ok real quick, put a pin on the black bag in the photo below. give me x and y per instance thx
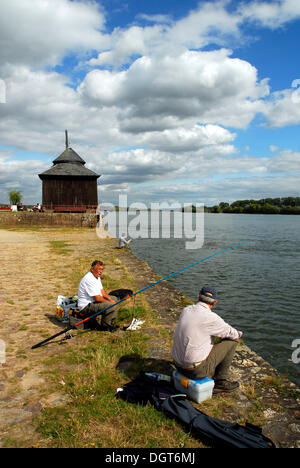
(163, 396)
(144, 389)
(220, 432)
(121, 293)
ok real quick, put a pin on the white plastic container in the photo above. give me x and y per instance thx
(197, 390)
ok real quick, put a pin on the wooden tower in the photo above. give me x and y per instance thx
(68, 185)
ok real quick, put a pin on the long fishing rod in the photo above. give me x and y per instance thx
(73, 327)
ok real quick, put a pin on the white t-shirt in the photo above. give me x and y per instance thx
(89, 287)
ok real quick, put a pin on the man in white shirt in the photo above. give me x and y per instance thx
(123, 241)
(194, 352)
(93, 298)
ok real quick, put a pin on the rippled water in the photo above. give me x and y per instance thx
(258, 284)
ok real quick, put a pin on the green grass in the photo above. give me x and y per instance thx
(89, 366)
(94, 415)
(60, 247)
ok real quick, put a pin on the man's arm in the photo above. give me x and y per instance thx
(218, 327)
(104, 298)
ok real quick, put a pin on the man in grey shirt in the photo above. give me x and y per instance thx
(194, 352)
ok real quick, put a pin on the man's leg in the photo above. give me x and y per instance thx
(105, 319)
(108, 317)
(216, 366)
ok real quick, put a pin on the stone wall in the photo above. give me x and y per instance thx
(10, 219)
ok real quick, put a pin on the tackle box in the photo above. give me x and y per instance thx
(197, 390)
(74, 318)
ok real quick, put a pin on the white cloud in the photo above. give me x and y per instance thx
(163, 19)
(207, 175)
(209, 23)
(209, 87)
(37, 103)
(21, 176)
(188, 139)
(271, 14)
(123, 44)
(285, 162)
(140, 166)
(213, 191)
(282, 109)
(42, 32)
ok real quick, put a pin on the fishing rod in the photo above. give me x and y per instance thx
(73, 327)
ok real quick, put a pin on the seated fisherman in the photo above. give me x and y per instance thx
(194, 352)
(123, 241)
(92, 298)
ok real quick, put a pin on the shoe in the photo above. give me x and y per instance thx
(225, 386)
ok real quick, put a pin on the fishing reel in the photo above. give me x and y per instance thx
(67, 336)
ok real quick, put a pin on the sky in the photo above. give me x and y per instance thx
(186, 102)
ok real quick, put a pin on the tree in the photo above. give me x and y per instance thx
(223, 205)
(216, 209)
(15, 197)
(267, 208)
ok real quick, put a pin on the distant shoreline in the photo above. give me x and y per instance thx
(283, 205)
(254, 213)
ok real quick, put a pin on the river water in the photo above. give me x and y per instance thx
(257, 284)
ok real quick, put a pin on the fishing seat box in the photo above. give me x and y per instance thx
(75, 317)
(197, 390)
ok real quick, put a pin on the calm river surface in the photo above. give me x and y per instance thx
(257, 284)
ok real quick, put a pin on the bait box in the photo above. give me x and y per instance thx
(74, 321)
(197, 390)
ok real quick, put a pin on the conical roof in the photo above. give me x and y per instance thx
(69, 169)
(69, 155)
(68, 164)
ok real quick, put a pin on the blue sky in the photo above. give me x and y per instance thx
(169, 101)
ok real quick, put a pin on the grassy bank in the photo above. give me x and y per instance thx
(87, 370)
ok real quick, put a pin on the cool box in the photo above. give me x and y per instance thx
(197, 390)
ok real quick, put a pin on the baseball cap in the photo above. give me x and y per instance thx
(209, 291)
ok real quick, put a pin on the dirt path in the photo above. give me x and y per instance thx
(25, 288)
(31, 277)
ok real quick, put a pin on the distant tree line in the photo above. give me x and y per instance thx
(287, 205)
